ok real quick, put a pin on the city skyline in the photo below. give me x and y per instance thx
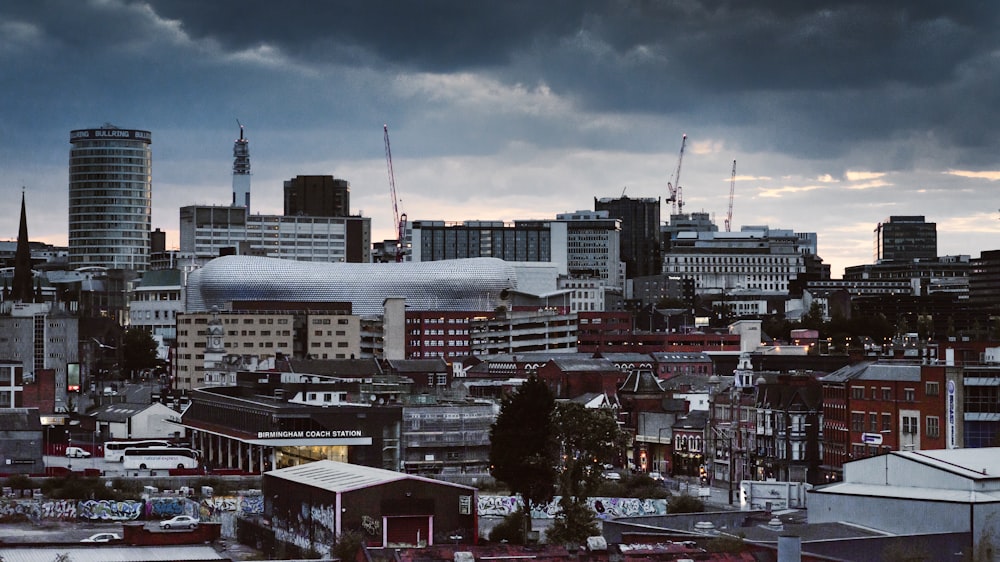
(837, 116)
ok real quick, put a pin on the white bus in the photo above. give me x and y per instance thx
(159, 458)
(113, 449)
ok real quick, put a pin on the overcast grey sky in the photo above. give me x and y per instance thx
(839, 114)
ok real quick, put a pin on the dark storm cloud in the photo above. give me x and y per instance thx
(844, 71)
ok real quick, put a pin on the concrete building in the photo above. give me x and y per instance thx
(755, 262)
(522, 331)
(251, 332)
(40, 338)
(593, 247)
(21, 450)
(155, 301)
(984, 281)
(210, 231)
(110, 198)
(241, 172)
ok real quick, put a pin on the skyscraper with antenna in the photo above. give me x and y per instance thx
(241, 171)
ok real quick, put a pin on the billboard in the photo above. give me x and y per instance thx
(72, 377)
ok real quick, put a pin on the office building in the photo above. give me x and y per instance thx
(593, 247)
(110, 198)
(640, 235)
(757, 260)
(522, 241)
(210, 231)
(317, 196)
(905, 238)
(984, 281)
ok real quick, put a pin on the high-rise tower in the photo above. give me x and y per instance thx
(241, 172)
(110, 198)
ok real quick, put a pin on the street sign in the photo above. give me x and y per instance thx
(871, 438)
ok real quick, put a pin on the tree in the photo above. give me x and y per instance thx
(523, 449)
(588, 438)
(139, 351)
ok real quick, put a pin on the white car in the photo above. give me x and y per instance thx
(77, 453)
(179, 521)
(102, 537)
(656, 476)
(612, 475)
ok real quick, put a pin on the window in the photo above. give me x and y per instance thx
(873, 421)
(909, 424)
(933, 426)
(886, 394)
(858, 392)
(909, 394)
(932, 389)
(857, 421)
(886, 422)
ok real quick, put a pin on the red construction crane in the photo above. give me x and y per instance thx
(732, 190)
(399, 220)
(676, 195)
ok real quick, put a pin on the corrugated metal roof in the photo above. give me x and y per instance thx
(343, 477)
(91, 553)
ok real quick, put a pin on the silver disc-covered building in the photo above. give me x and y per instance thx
(450, 285)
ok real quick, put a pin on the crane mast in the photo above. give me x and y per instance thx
(674, 188)
(399, 220)
(732, 190)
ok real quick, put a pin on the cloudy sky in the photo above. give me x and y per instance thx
(838, 114)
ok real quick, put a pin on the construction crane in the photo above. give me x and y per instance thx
(399, 220)
(674, 188)
(732, 190)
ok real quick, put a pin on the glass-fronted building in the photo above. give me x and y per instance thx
(110, 198)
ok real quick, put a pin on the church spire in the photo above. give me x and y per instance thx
(22, 290)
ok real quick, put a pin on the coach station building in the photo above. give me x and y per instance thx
(272, 420)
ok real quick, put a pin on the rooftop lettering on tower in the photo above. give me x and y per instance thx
(117, 134)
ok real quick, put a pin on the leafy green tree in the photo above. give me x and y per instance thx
(588, 438)
(523, 449)
(138, 351)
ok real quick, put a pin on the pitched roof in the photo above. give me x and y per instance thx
(336, 476)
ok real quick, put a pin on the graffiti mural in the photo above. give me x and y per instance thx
(162, 508)
(252, 505)
(109, 510)
(604, 508)
(58, 509)
(371, 525)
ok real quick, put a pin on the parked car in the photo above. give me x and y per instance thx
(103, 537)
(179, 521)
(612, 475)
(77, 453)
(655, 476)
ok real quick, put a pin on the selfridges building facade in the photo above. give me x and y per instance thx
(450, 285)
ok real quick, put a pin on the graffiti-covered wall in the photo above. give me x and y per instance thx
(71, 510)
(605, 508)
